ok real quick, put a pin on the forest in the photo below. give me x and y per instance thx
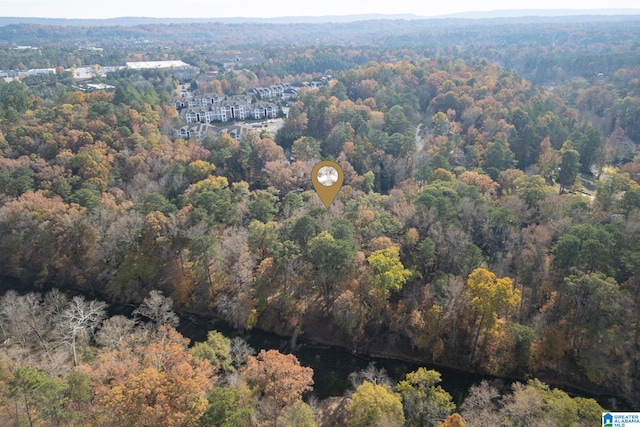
(489, 221)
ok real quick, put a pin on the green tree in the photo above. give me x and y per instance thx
(591, 304)
(498, 158)
(587, 247)
(299, 414)
(227, 408)
(611, 189)
(375, 404)
(305, 149)
(532, 189)
(425, 403)
(333, 259)
(589, 143)
(264, 206)
(40, 396)
(215, 349)
(569, 168)
(389, 273)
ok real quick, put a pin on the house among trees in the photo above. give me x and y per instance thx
(212, 107)
(202, 130)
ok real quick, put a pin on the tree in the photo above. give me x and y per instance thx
(115, 331)
(587, 247)
(591, 303)
(299, 414)
(162, 384)
(306, 148)
(480, 407)
(425, 404)
(239, 351)
(216, 349)
(532, 189)
(453, 420)
(389, 273)
(277, 377)
(589, 143)
(78, 319)
(227, 408)
(569, 168)
(37, 394)
(373, 404)
(333, 259)
(490, 296)
(157, 308)
(498, 158)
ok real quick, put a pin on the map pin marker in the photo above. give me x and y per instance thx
(327, 178)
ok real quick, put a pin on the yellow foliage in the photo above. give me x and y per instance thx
(491, 295)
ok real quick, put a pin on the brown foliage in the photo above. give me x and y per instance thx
(278, 377)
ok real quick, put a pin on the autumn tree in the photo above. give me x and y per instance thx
(389, 273)
(168, 387)
(490, 297)
(375, 405)
(278, 377)
(424, 402)
(453, 420)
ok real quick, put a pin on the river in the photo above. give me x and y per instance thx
(331, 364)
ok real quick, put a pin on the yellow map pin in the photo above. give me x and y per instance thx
(327, 178)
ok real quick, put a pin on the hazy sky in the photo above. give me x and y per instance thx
(275, 8)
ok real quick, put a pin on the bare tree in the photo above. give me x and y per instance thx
(157, 308)
(116, 330)
(27, 321)
(480, 408)
(239, 351)
(370, 374)
(79, 319)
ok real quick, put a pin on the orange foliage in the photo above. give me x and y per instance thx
(278, 377)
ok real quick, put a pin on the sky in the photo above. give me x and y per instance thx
(278, 8)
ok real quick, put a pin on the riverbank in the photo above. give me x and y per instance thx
(329, 357)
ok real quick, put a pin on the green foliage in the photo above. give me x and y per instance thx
(226, 409)
(215, 349)
(532, 189)
(589, 143)
(389, 272)
(425, 403)
(373, 403)
(497, 159)
(43, 397)
(333, 259)
(17, 182)
(299, 415)
(15, 99)
(569, 168)
(264, 206)
(586, 247)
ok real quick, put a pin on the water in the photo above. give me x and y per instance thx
(331, 365)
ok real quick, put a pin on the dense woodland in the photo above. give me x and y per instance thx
(486, 223)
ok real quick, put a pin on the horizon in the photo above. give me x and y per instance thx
(252, 9)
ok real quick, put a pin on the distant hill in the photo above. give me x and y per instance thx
(474, 15)
(541, 13)
(134, 21)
